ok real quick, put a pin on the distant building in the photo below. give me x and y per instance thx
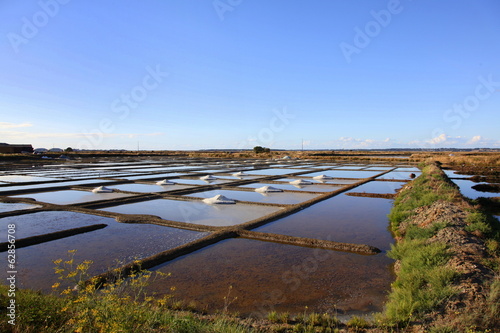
(40, 150)
(6, 148)
(55, 150)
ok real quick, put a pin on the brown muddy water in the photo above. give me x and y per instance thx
(260, 276)
(274, 277)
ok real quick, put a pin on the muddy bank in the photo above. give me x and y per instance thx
(372, 195)
(494, 188)
(310, 242)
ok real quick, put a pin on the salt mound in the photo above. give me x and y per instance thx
(219, 199)
(300, 182)
(239, 174)
(322, 177)
(102, 189)
(208, 177)
(267, 188)
(165, 182)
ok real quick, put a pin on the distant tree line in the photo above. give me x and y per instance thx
(259, 150)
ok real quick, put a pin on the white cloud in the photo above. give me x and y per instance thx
(475, 139)
(439, 139)
(4, 125)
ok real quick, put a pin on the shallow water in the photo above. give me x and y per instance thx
(10, 207)
(399, 175)
(200, 181)
(58, 184)
(145, 188)
(67, 197)
(117, 243)
(290, 187)
(343, 174)
(342, 219)
(25, 179)
(267, 276)
(350, 167)
(379, 187)
(467, 190)
(274, 172)
(155, 176)
(46, 222)
(195, 211)
(275, 197)
(378, 168)
(453, 174)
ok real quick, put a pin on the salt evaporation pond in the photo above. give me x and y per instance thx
(40, 223)
(399, 175)
(306, 188)
(146, 188)
(111, 247)
(343, 174)
(275, 277)
(265, 276)
(342, 218)
(379, 187)
(274, 197)
(25, 179)
(67, 197)
(195, 211)
(274, 172)
(467, 190)
(11, 207)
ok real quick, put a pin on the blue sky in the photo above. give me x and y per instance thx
(185, 74)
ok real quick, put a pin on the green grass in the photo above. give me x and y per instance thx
(414, 232)
(426, 189)
(423, 281)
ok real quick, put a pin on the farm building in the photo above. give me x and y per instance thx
(6, 148)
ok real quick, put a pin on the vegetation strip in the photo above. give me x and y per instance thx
(33, 240)
(447, 252)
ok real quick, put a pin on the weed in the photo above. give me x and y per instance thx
(273, 317)
(358, 322)
(228, 300)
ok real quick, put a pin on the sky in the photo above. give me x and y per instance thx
(222, 74)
